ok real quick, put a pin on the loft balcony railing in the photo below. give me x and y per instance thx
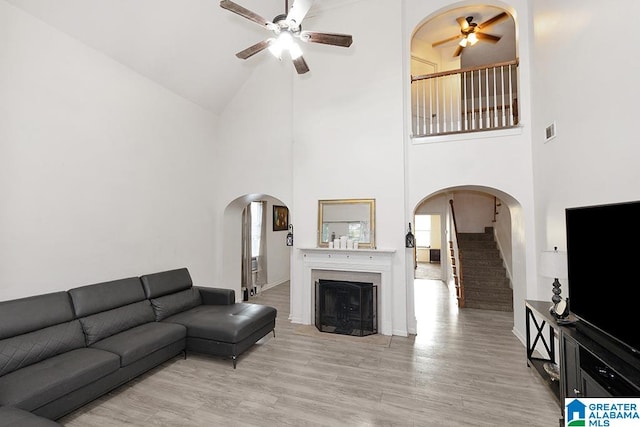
(466, 100)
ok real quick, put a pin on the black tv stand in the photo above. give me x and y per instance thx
(628, 355)
(595, 365)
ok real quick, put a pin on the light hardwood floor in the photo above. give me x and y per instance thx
(463, 368)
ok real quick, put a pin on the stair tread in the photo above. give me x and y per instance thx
(485, 281)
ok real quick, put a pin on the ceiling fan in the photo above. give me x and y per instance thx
(286, 29)
(471, 32)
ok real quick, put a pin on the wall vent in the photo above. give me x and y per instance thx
(550, 132)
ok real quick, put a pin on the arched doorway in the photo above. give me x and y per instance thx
(277, 253)
(476, 210)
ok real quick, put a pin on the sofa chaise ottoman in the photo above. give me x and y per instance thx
(215, 323)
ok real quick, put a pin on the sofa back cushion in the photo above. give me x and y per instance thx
(107, 308)
(26, 349)
(102, 325)
(171, 304)
(166, 282)
(24, 315)
(91, 299)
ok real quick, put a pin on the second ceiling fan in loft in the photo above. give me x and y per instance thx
(286, 29)
(471, 32)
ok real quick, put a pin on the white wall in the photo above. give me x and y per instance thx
(254, 143)
(278, 253)
(593, 100)
(348, 133)
(474, 211)
(103, 174)
(495, 163)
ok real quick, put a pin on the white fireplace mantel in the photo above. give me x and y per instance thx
(377, 261)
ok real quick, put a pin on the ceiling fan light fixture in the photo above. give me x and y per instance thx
(286, 28)
(463, 42)
(280, 44)
(472, 38)
(276, 48)
(295, 51)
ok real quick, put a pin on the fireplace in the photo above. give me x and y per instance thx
(358, 265)
(347, 308)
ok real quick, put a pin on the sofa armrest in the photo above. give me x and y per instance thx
(216, 296)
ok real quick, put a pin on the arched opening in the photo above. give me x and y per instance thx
(277, 253)
(483, 211)
(464, 71)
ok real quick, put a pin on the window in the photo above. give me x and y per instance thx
(423, 231)
(256, 227)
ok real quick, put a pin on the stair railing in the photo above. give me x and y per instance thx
(456, 262)
(465, 100)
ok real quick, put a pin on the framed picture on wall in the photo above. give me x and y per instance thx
(280, 218)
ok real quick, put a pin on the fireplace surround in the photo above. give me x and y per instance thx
(360, 265)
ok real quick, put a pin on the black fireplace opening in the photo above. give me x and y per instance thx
(347, 308)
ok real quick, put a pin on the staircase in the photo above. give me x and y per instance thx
(486, 285)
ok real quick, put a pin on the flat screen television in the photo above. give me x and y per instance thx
(603, 256)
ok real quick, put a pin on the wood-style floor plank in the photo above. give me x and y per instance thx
(463, 368)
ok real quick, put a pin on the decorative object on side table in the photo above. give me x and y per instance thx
(553, 370)
(290, 235)
(410, 239)
(554, 264)
(280, 218)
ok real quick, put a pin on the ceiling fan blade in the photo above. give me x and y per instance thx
(488, 37)
(458, 51)
(343, 40)
(499, 17)
(299, 10)
(462, 21)
(441, 42)
(246, 13)
(301, 65)
(256, 48)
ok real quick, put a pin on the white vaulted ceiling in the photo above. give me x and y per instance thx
(187, 46)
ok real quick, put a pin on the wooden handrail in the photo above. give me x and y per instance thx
(459, 282)
(464, 70)
(453, 216)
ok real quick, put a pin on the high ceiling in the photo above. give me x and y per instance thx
(188, 46)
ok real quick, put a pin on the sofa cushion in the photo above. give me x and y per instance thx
(171, 304)
(91, 299)
(36, 385)
(166, 282)
(102, 325)
(139, 342)
(14, 417)
(27, 349)
(24, 315)
(226, 323)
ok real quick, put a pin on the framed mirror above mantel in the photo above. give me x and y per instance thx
(353, 218)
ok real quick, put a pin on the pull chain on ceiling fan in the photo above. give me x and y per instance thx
(471, 32)
(286, 29)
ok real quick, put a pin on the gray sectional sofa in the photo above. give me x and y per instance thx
(61, 350)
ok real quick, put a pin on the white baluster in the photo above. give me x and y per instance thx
(504, 105)
(510, 98)
(487, 92)
(430, 106)
(473, 104)
(495, 99)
